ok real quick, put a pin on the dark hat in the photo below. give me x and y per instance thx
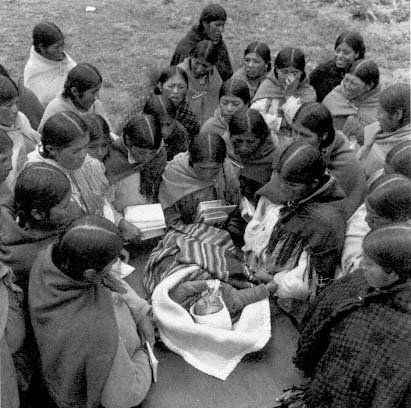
(213, 12)
(8, 90)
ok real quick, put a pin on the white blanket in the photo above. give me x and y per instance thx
(214, 351)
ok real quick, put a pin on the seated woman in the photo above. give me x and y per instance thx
(233, 96)
(356, 339)
(287, 79)
(46, 70)
(256, 66)
(80, 94)
(354, 103)
(210, 27)
(393, 127)
(204, 81)
(17, 127)
(313, 124)
(349, 47)
(299, 241)
(83, 330)
(201, 174)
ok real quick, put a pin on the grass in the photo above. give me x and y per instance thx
(125, 39)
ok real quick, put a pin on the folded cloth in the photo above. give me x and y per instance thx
(213, 351)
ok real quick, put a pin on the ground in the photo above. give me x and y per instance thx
(129, 39)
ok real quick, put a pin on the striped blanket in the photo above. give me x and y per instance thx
(193, 244)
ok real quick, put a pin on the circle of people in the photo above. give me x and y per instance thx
(316, 170)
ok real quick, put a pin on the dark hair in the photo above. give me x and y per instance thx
(302, 163)
(354, 40)
(168, 73)
(159, 107)
(142, 131)
(8, 89)
(46, 34)
(262, 49)
(249, 120)
(236, 87)
(399, 158)
(390, 197)
(82, 77)
(6, 144)
(316, 117)
(367, 71)
(207, 50)
(390, 247)
(290, 57)
(97, 127)
(4, 72)
(207, 147)
(39, 186)
(397, 97)
(212, 12)
(61, 129)
(90, 242)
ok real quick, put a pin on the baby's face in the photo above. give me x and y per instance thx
(208, 304)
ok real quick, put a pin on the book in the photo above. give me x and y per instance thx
(149, 218)
(213, 212)
(153, 361)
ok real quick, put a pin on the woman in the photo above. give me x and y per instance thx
(313, 124)
(349, 47)
(80, 94)
(398, 159)
(204, 81)
(233, 95)
(17, 127)
(256, 65)
(354, 103)
(355, 343)
(210, 27)
(287, 79)
(91, 353)
(201, 174)
(46, 70)
(392, 128)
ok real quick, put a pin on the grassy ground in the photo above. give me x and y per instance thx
(126, 38)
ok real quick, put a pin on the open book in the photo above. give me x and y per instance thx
(213, 212)
(149, 218)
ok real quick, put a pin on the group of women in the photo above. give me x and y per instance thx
(317, 167)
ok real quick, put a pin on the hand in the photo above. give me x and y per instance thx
(186, 293)
(146, 330)
(129, 232)
(291, 84)
(272, 287)
(263, 276)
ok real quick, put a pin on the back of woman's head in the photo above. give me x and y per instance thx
(397, 98)
(316, 118)
(290, 57)
(206, 147)
(390, 247)
(205, 49)
(90, 242)
(142, 131)
(398, 159)
(235, 87)
(6, 144)
(39, 186)
(97, 126)
(61, 129)
(8, 90)
(46, 34)
(262, 49)
(354, 40)
(212, 12)
(82, 77)
(249, 120)
(301, 163)
(367, 71)
(168, 73)
(390, 197)
(159, 107)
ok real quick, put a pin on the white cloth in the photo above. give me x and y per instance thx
(46, 77)
(214, 351)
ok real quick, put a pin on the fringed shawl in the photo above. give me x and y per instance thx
(216, 125)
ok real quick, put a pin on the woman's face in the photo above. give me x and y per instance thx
(63, 214)
(140, 155)
(206, 170)
(85, 100)
(175, 89)
(214, 30)
(354, 86)
(5, 164)
(292, 74)
(345, 56)
(200, 67)
(230, 104)
(54, 52)
(9, 111)
(300, 134)
(71, 157)
(245, 145)
(254, 65)
(388, 122)
(208, 304)
(98, 148)
(375, 275)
